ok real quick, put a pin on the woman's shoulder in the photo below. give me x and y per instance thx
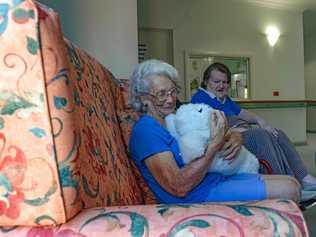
(201, 95)
(146, 123)
(146, 120)
(148, 129)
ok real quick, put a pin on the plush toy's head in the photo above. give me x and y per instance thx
(191, 126)
(193, 117)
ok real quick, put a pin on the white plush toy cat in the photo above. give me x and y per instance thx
(191, 128)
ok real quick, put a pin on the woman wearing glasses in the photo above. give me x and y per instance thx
(153, 93)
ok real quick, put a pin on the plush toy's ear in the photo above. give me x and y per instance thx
(171, 126)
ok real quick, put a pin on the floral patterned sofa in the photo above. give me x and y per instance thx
(64, 169)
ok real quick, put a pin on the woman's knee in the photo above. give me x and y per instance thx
(293, 181)
(294, 185)
(260, 136)
(281, 133)
(283, 138)
(282, 186)
(294, 189)
(257, 139)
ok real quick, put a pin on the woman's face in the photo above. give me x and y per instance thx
(218, 84)
(162, 96)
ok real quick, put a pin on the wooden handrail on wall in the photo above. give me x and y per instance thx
(276, 104)
(275, 101)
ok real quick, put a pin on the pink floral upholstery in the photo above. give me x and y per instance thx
(29, 179)
(64, 129)
(69, 153)
(266, 218)
(93, 165)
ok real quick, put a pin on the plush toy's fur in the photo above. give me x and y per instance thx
(191, 128)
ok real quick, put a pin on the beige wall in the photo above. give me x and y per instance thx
(229, 27)
(311, 119)
(310, 65)
(310, 53)
(233, 28)
(107, 30)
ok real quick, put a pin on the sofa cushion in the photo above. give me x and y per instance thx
(29, 184)
(60, 144)
(93, 165)
(264, 218)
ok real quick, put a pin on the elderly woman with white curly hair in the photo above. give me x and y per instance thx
(153, 93)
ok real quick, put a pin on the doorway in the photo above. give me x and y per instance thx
(155, 43)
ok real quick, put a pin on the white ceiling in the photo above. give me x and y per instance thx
(299, 5)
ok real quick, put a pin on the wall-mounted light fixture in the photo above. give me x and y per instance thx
(272, 34)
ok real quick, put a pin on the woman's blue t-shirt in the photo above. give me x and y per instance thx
(149, 138)
(229, 107)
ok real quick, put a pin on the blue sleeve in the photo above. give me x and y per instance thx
(234, 106)
(200, 97)
(147, 141)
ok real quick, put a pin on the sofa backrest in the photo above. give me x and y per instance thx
(61, 144)
(127, 117)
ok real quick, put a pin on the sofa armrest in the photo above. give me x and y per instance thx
(262, 218)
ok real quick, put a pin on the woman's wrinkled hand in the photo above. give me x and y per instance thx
(218, 129)
(232, 145)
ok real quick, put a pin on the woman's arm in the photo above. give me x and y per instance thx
(253, 118)
(250, 117)
(180, 181)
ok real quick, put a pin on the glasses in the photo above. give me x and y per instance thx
(162, 95)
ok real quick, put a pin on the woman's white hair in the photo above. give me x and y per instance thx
(139, 83)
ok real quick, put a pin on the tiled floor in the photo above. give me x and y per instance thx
(308, 154)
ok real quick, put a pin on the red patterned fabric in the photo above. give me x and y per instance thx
(93, 165)
(127, 117)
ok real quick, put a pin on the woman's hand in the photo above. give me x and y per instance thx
(218, 130)
(228, 142)
(232, 145)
